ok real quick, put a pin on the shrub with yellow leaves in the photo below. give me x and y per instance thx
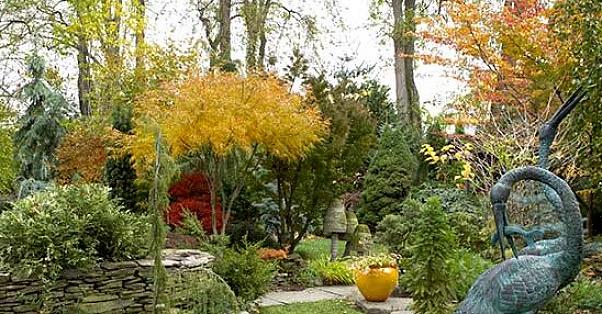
(225, 112)
(451, 162)
(224, 120)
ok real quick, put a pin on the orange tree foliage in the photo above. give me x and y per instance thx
(83, 152)
(223, 121)
(510, 53)
(517, 68)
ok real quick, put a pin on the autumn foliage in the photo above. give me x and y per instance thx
(83, 152)
(518, 71)
(509, 52)
(191, 194)
(223, 120)
(226, 112)
(268, 254)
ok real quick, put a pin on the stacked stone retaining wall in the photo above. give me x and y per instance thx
(112, 287)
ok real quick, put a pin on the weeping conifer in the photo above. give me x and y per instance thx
(40, 131)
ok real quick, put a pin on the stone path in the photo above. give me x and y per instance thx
(392, 306)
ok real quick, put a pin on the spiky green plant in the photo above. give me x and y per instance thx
(429, 275)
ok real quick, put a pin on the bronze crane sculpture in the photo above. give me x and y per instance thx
(524, 284)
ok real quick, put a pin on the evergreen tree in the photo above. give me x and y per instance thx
(40, 131)
(390, 176)
(429, 275)
(120, 174)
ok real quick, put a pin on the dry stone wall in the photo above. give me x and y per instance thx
(112, 287)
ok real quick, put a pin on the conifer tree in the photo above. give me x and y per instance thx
(391, 173)
(433, 245)
(120, 174)
(40, 131)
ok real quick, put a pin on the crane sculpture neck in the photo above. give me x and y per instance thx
(568, 259)
(548, 130)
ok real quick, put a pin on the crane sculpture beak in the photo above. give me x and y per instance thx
(500, 221)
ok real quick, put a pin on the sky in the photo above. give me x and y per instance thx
(357, 40)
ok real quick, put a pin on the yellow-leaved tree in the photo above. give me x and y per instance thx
(219, 123)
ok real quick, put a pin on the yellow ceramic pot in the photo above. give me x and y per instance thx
(376, 284)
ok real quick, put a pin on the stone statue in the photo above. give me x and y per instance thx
(524, 284)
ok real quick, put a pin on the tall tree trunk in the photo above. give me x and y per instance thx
(263, 40)
(255, 15)
(140, 40)
(110, 45)
(408, 103)
(225, 31)
(83, 79)
(251, 15)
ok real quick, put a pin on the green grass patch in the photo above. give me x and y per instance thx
(322, 307)
(317, 248)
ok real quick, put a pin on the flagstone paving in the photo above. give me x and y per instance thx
(392, 306)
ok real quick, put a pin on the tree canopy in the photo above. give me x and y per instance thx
(227, 112)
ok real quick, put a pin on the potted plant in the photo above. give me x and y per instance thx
(376, 276)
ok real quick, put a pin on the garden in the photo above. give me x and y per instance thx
(249, 169)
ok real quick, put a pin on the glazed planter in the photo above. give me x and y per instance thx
(376, 284)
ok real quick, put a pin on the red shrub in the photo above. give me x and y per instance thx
(191, 193)
(190, 185)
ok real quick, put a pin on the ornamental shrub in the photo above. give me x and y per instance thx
(465, 212)
(191, 194)
(245, 272)
(190, 185)
(119, 172)
(83, 153)
(429, 276)
(582, 296)
(200, 293)
(466, 267)
(69, 227)
(120, 176)
(395, 231)
(389, 179)
(452, 199)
